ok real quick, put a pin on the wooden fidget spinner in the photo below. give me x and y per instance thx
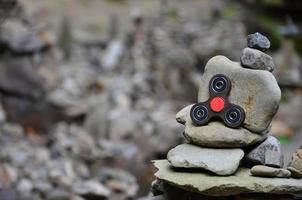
(218, 105)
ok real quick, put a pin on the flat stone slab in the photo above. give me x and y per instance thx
(239, 183)
(219, 161)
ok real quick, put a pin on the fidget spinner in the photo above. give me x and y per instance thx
(218, 105)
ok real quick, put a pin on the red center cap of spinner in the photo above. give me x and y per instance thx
(217, 104)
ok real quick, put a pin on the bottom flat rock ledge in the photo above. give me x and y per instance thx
(241, 183)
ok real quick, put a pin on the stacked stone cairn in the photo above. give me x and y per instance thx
(222, 161)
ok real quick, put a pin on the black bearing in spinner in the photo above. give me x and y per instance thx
(199, 114)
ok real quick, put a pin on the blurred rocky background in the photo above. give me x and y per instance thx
(89, 89)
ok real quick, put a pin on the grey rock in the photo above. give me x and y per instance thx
(157, 187)
(264, 171)
(216, 134)
(27, 44)
(114, 149)
(240, 182)
(58, 194)
(180, 58)
(96, 122)
(296, 162)
(2, 114)
(256, 91)
(42, 187)
(19, 77)
(255, 59)
(218, 161)
(258, 41)
(61, 172)
(288, 61)
(266, 196)
(77, 198)
(9, 3)
(160, 197)
(172, 193)
(295, 173)
(11, 129)
(123, 124)
(119, 180)
(220, 38)
(11, 172)
(25, 187)
(19, 39)
(112, 54)
(267, 153)
(82, 170)
(168, 133)
(91, 189)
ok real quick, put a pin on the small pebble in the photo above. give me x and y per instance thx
(295, 165)
(264, 171)
(295, 173)
(258, 41)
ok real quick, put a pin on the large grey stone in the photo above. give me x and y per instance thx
(239, 183)
(265, 171)
(216, 134)
(267, 153)
(218, 161)
(255, 59)
(256, 91)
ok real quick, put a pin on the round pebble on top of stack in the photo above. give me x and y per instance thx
(258, 41)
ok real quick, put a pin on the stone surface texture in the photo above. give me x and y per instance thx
(174, 193)
(267, 153)
(241, 182)
(256, 91)
(216, 134)
(294, 172)
(297, 161)
(218, 161)
(258, 41)
(255, 59)
(265, 171)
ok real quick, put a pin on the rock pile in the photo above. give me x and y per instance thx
(66, 167)
(109, 87)
(229, 130)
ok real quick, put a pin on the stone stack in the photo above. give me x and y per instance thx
(220, 160)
